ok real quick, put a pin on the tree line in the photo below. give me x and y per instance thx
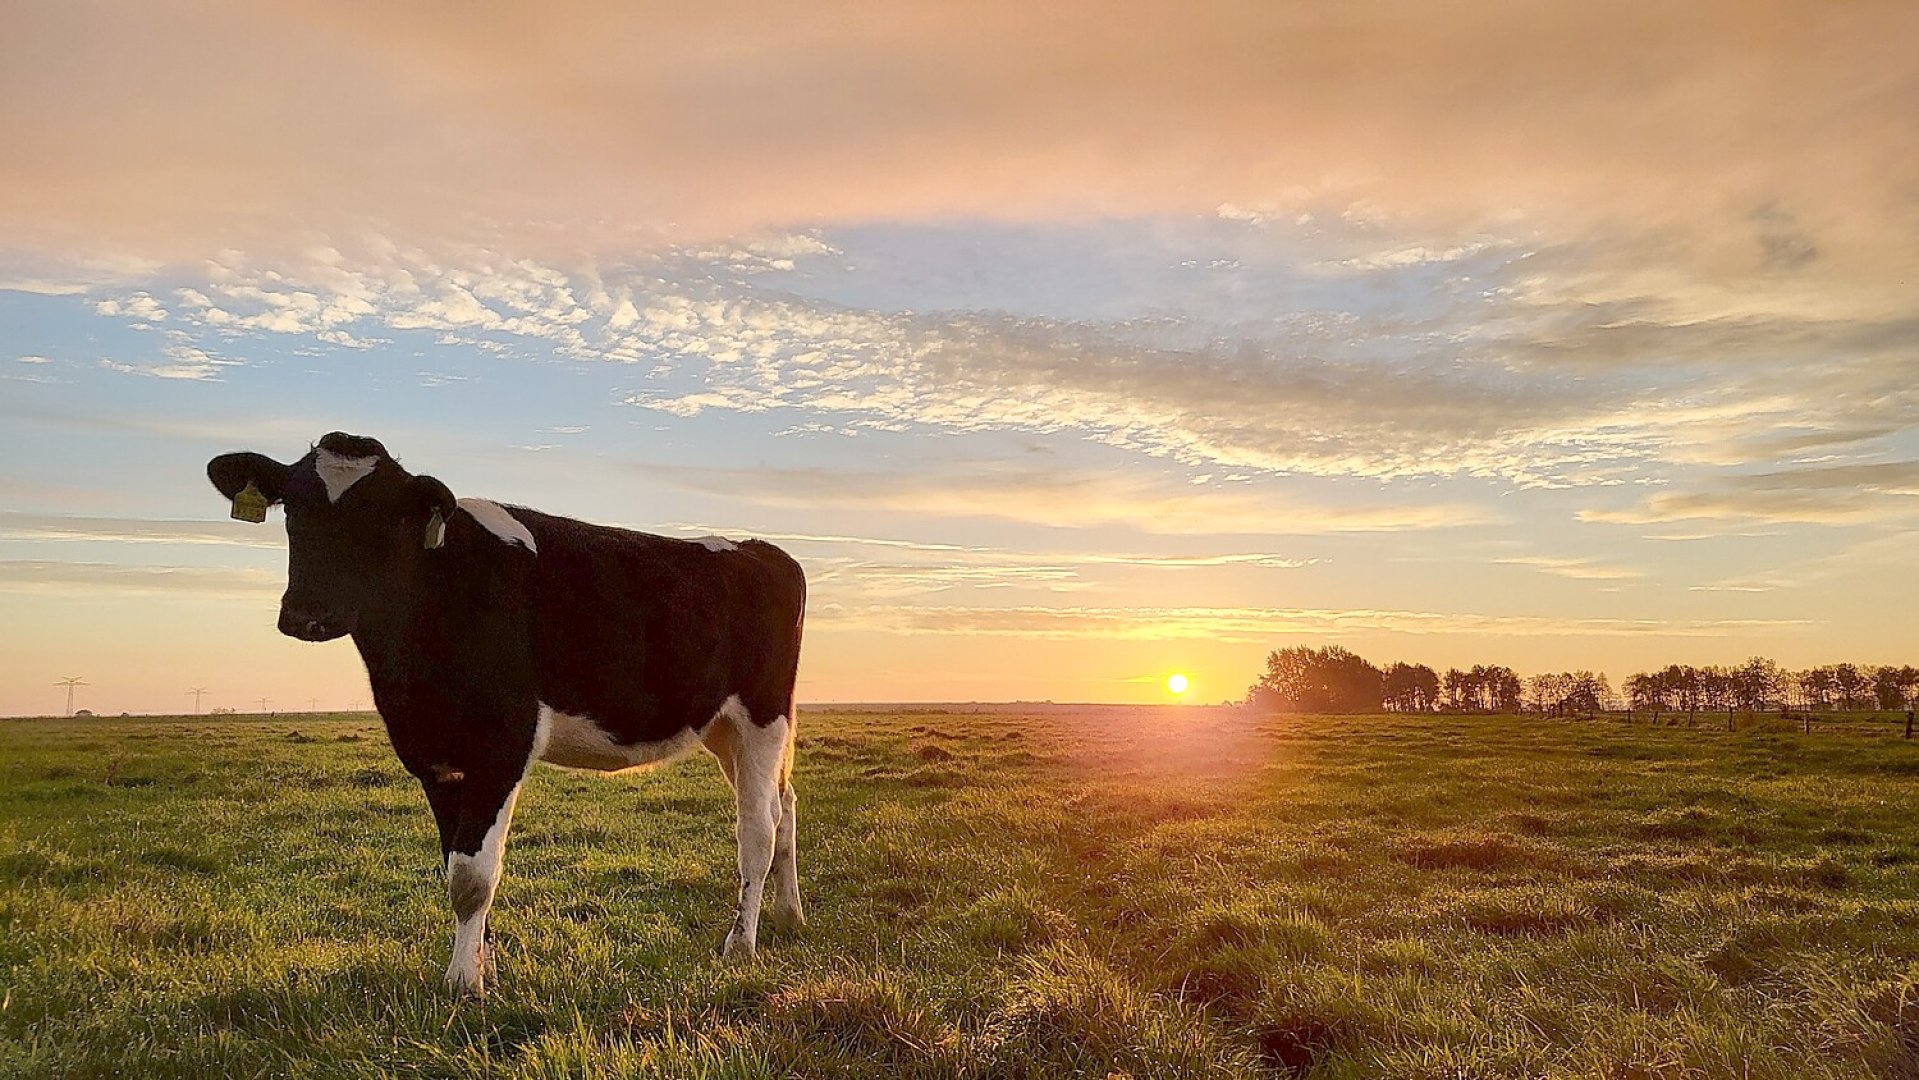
(1334, 679)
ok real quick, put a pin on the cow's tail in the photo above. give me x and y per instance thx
(792, 698)
(793, 671)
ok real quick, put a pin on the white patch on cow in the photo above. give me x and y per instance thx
(578, 743)
(494, 519)
(467, 971)
(339, 472)
(761, 765)
(542, 734)
(717, 543)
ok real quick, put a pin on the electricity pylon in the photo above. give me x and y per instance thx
(71, 682)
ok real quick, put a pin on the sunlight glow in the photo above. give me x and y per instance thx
(1176, 683)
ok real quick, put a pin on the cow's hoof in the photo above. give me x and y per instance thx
(737, 946)
(786, 919)
(466, 979)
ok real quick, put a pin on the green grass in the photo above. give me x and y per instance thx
(1171, 893)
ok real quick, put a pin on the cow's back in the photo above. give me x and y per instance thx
(649, 635)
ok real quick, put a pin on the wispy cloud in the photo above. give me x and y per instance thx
(1836, 494)
(1580, 569)
(184, 362)
(88, 578)
(1066, 498)
(56, 527)
(959, 551)
(1547, 375)
(1257, 625)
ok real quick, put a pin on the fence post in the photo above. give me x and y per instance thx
(1908, 723)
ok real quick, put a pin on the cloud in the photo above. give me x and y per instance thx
(863, 582)
(609, 123)
(56, 527)
(1578, 569)
(860, 569)
(185, 362)
(1309, 395)
(139, 307)
(67, 579)
(1549, 374)
(1277, 405)
(1066, 499)
(1532, 382)
(1829, 495)
(42, 286)
(1254, 625)
(960, 551)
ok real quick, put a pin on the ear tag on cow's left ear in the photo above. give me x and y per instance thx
(250, 505)
(435, 530)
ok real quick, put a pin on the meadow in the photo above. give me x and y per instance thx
(1069, 892)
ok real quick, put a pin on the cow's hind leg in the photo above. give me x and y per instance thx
(785, 909)
(758, 754)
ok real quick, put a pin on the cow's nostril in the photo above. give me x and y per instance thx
(315, 627)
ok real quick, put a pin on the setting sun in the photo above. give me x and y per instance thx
(1176, 683)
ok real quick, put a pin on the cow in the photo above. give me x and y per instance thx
(495, 636)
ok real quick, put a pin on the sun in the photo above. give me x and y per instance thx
(1176, 683)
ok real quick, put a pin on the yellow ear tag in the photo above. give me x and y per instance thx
(250, 505)
(435, 530)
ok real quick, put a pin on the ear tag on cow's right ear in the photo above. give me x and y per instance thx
(250, 505)
(435, 530)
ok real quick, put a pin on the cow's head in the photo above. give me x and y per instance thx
(357, 524)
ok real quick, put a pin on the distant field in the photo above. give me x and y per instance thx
(1150, 893)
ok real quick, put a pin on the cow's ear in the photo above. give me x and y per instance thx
(231, 473)
(436, 499)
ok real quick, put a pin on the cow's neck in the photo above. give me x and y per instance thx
(387, 633)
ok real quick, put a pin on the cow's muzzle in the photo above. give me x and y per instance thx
(308, 626)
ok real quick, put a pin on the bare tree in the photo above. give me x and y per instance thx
(1851, 685)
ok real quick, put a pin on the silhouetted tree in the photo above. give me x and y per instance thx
(1334, 679)
(1544, 692)
(1411, 688)
(1643, 691)
(1757, 684)
(1851, 685)
(1718, 687)
(1895, 687)
(1503, 690)
(1815, 686)
(1566, 692)
(1329, 679)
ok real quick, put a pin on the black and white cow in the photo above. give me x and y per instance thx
(494, 636)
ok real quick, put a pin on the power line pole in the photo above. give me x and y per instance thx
(313, 704)
(70, 683)
(263, 705)
(197, 692)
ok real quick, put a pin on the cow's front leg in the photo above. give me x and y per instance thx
(758, 757)
(474, 816)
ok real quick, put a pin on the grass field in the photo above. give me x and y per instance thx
(1150, 893)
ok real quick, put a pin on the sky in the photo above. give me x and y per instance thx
(1068, 346)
